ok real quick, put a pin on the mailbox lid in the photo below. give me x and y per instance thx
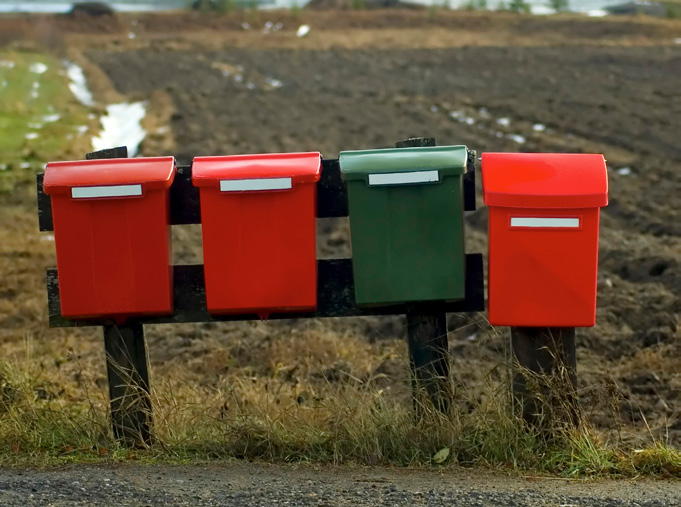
(123, 176)
(427, 164)
(282, 170)
(544, 180)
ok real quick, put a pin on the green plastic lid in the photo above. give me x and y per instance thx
(436, 161)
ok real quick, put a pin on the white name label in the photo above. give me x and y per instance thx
(110, 191)
(539, 222)
(255, 185)
(404, 178)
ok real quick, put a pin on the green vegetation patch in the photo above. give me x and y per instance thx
(40, 118)
(343, 425)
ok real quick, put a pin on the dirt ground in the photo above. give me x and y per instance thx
(363, 80)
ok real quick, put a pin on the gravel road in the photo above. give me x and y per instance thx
(258, 484)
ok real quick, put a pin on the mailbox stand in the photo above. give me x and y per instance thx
(127, 367)
(427, 338)
(543, 264)
(127, 357)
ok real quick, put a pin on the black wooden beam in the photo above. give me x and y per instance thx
(335, 293)
(332, 197)
(44, 206)
(118, 152)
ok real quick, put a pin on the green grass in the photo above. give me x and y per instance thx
(39, 116)
(348, 425)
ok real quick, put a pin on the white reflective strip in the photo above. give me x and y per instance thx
(404, 178)
(569, 223)
(252, 185)
(110, 191)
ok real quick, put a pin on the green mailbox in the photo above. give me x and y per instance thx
(406, 222)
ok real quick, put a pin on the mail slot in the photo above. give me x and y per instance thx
(543, 237)
(258, 215)
(111, 229)
(406, 223)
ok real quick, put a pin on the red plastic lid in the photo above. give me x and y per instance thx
(151, 173)
(300, 167)
(544, 180)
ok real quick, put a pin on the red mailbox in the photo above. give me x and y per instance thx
(111, 229)
(259, 236)
(543, 237)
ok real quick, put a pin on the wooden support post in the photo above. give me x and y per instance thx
(127, 367)
(545, 378)
(427, 338)
(429, 356)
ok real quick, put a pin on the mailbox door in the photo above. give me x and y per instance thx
(260, 250)
(114, 256)
(407, 242)
(543, 266)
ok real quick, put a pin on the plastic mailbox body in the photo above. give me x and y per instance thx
(406, 219)
(112, 235)
(543, 237)
(258, 215)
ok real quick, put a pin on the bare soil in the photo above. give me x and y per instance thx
(362, 80)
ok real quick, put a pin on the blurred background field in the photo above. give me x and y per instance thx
(338, 390)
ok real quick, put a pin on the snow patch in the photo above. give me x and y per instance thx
(504, 122)
(517, 138)
(461, 117)
(539, 127)
(303, 30)
(121, 126)
(38, 68)
(78, 84)
(274, 83)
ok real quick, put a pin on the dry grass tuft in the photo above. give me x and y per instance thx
(263, 418)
